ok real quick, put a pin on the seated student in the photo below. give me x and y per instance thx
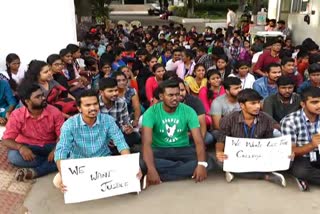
(213, 89)
(167, 152)
(284, 102)
(197, 80)
(266, 85)
(242, 72)
(173, 63)
(152, 82)
(32, 133)
(314, 78)
(117, 108)
(288, 69)
(247, 123)
(302, 126)
(226, 103)
(195, 103)
(130, 95)
(118, 62)
(7, 101)
(78, 133)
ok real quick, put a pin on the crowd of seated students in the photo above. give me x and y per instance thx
(172, 95)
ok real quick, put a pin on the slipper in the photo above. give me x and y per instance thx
(21, 174)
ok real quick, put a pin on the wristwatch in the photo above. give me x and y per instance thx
(203, 163)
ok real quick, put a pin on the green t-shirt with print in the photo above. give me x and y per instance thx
(170, 129)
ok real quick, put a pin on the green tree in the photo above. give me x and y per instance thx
(101, 9)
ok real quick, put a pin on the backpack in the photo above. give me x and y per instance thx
(58, 97)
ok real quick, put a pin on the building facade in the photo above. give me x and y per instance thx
(295, 13)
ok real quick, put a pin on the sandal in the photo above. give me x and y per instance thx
(21, 174)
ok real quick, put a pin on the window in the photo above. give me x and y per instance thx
(299, 6)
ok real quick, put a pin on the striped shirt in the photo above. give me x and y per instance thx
(78, 140)
(299, 127)
(233, 125)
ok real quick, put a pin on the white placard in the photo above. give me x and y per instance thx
(257, 155)
(93, 178)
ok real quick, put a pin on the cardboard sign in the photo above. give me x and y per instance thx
(93, 178)
(257, 155)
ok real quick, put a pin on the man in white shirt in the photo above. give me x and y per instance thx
(231, 23)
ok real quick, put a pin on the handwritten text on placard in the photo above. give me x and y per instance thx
(257, 155)
(94, 178)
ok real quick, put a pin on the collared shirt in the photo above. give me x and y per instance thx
(118, 111)
(78, 140)
(263, 88)
(264, 60)
(24, 128)
(299, 127)
(233, 124)
(274, 106)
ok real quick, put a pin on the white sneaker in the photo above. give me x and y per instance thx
(277, 178)
(229, 176)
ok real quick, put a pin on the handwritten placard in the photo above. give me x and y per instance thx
(93, 178)
(257, 155)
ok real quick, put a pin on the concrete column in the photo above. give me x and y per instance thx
(273, 8)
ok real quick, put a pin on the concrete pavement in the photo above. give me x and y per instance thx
(212, 196)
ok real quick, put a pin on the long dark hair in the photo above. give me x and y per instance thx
(10, 58)
(33, 72)
(209, 74)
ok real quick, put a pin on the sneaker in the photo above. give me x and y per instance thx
(302, 184)
(143, 182)
(277, 178)
(229, 177)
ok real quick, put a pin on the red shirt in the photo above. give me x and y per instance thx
(264, 60)
(151, 85)
(23, 128)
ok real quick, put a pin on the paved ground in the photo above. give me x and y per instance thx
(12, 193)
(212, 196)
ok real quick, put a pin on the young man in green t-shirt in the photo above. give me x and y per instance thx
(167, 153)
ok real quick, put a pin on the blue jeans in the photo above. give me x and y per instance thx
(40, 164)
(174, 163)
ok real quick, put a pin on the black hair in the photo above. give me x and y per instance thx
(312, 91)
(177, 50)
(314, 68)
(10, 58)
(314, 58)
(196, 67)
(208, 75)
(118, 73)
(34, 69)
(156, 66)
(64, 52)
(241, 63)
(284, 80)
(302, 54)
(171, 83)
(248, 94)
(52, 58)
(228, 81)
(149, 57)
(272, 65)
(189, 53)
(169, 75)
(202, 49)
(25, 90)
(105, 83)
(86, 93)
(73, 48)
(285, 60)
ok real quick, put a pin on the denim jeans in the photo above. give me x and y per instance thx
(174, 163)
(40, 164)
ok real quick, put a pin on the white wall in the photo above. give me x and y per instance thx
(301, 30)
(34, 29)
